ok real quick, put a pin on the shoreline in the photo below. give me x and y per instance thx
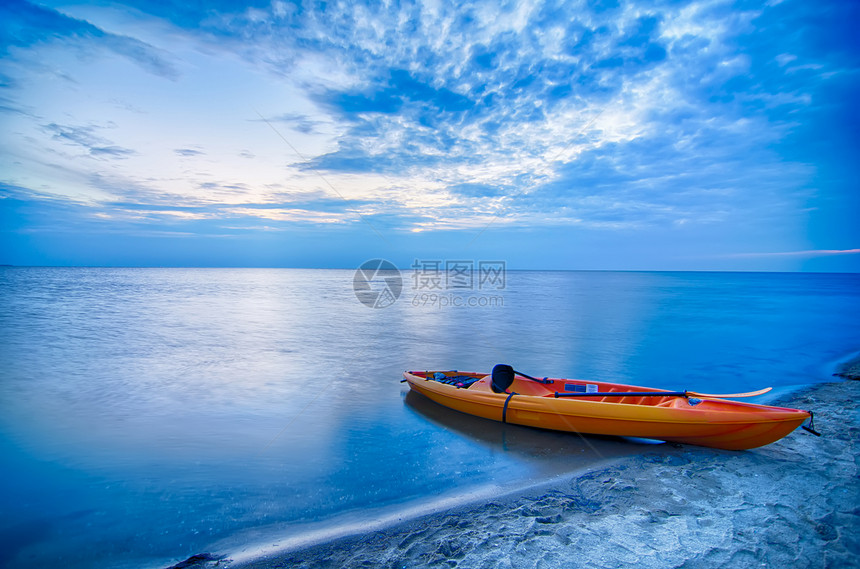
(848, 368)
(795, 502)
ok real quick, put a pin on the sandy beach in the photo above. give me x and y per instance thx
(794, 503)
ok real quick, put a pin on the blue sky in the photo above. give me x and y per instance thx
(707, 135)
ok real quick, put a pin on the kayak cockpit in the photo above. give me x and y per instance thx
(453, 377)
(552, 388)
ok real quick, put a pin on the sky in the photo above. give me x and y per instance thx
(610, 135)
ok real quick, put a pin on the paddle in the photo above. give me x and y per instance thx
(503, 377)
(731, 395)
(664, 394)
(544, 380)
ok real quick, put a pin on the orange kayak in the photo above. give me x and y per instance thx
(588, 407)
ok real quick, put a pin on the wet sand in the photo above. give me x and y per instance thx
(849, 369)
(794, 503)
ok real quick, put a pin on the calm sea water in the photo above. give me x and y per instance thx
(149, 414)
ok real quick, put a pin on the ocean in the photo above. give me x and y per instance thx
(150, 414)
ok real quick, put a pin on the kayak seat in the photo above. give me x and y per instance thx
(502, 378)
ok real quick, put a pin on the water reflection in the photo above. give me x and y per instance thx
(547, 452)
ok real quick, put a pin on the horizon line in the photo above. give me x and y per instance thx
(409, 269)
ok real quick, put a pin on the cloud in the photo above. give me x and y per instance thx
(297, 121)
(811, 253)
(86, 137)
(479, 94)
(38, 208)
(187, 152)
(25, 25)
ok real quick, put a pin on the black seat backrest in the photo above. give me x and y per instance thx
(503, 377)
